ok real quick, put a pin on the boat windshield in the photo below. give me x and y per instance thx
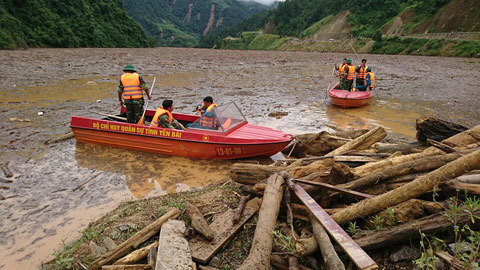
(222, 118)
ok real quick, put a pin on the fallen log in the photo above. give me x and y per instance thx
(330, 256)
(260, 252)
(313, 144)
(137, 255)
(127, 267)
(152, 257)
(442, 146)
(454, 262)
(436, 129)
(470, 178)
(239, 210)
(361, 143)
(462, 139)
(198, 222)
(392, 148)
(454, 185)
(305, 246)
(416, 166)
(409, 231)
(134, 241)
(410, 190)
(252, 173)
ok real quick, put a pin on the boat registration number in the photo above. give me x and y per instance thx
(228, 151)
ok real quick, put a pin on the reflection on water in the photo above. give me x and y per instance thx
(394, 116)
(152, 174)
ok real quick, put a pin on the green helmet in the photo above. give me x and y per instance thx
(369, 69)
(349, 61)
(129, 68)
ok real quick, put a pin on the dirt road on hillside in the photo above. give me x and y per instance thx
(42, 88)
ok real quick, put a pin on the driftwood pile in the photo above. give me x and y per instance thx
(352, 179)
(338, 178)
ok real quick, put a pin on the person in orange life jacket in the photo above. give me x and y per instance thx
(163, 117)
(208, 119)
(349, 74)
(207, 102)
(131, 86)
(369, 81)
(341, 70)
(361, 72)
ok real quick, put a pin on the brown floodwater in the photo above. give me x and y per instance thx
(42, 207)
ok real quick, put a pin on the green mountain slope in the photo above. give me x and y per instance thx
(183, 22)
(327, 25)
(68, 23)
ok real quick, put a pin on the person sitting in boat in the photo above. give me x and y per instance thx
(131, 86)
(163, 117)
(369, 81)
(349, 73)
(361, 71)
(207, 103)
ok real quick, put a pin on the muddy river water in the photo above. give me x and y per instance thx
(41, 89)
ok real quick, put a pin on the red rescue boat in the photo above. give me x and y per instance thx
(348, 99)
(234, 138)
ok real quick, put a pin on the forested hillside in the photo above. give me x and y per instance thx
(68, 23)
(181, 23)
(374, 26)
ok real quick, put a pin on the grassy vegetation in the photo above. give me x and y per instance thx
(462, 235)
(266, 42)
(311, 30)
(431, 47)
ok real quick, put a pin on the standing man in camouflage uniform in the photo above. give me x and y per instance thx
(131, 86)
(341, 70)
(348, 74)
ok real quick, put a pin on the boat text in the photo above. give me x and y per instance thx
(228, 151)
(138, 130)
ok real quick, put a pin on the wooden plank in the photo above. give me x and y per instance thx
(127, 267)
(335, 188)
(224, 230)
(364, 159)
(358, 256)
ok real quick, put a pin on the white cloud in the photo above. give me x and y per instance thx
(263, 2)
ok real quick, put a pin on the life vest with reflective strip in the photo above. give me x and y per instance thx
(131, 86)
(207, 121)
(341, 69)
(372, 79)
(201, 108)
(160, 111)
(362, 72)
(351, 72)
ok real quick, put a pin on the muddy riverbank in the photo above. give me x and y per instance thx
(41, 208)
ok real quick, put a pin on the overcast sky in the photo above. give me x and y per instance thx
(265, 2)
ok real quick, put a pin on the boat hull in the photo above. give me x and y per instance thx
(202, 144)
(348, 99)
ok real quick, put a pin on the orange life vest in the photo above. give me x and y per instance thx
(351, 72)
(160, 111)
(341, 69)
(372, 79)
(211, 107)
(209, 122)
(131, 86)
(362, 72)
